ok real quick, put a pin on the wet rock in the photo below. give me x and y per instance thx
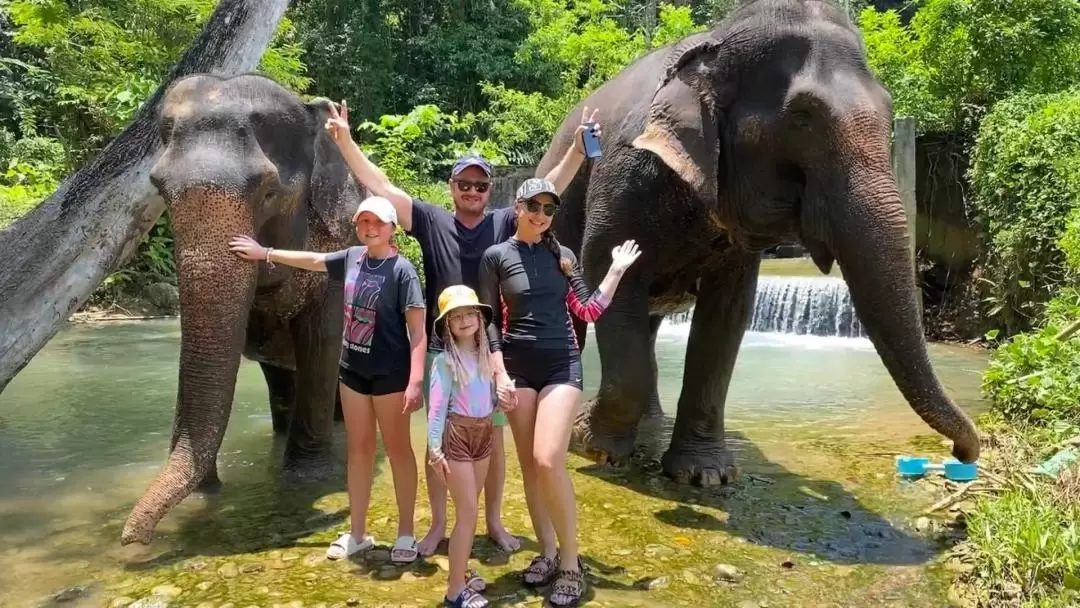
(622, 552)
(314, 558)
(203, 586)
(957, 598)
(442, 563)
(923, 524)
(69, 595)
(166, 591)
(164, 296)
(151, 602)
(125, 584)
(787, 563)
(352, 601)
(295, 604)
(654, 583)
(959, 566)
(288, 557)
(206, 605)
(408, 577)
(122, 602)
(229, 570)
(277, 564)
(690, 577)
(748, 604)
(195, 566)
(658, 551)
(726, 572)
(252, 567)
(227, 605)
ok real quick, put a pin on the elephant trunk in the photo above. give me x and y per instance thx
(869, 236)
(216, 291)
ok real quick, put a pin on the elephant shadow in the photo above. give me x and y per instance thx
(265, 513)
(769, 505)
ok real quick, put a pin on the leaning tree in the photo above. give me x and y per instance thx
(52, 259)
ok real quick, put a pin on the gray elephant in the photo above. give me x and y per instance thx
(769, 128)
(245, 156)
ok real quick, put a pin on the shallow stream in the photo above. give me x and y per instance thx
(817, 519)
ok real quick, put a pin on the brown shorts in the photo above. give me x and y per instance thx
(466, 439)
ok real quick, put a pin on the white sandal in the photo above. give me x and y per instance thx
(404, 551)
(346, 545)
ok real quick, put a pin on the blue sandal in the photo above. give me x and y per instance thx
(467, 599)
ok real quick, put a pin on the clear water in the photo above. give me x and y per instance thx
(86, 426)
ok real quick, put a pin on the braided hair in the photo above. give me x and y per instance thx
(548, 238)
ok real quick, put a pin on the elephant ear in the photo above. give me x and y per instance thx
(335, 195)
(682, 126)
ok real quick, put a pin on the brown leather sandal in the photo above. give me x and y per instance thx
(539, 572)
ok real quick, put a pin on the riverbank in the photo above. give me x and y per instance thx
(1023, 540)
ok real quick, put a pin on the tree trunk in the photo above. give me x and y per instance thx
(52, 259)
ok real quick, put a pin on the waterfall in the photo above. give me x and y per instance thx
(818, 306)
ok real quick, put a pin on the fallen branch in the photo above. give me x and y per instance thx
(951, 499)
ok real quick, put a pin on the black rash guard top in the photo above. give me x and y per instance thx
(532, 299)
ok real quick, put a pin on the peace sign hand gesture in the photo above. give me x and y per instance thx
(624, 255)
(338, 123)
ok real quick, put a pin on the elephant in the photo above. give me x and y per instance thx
(245, 156)
(769, 128)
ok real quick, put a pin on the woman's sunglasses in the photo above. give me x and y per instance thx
(465, 185)
(534, 207)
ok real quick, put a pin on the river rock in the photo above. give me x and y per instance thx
(151, 602)
(121, 602)
(69, 595)
(227, 605)
(1011, 590)
(229, 570)
(690, 577)
(658, 551)
(288, 557)
(206, 605)
(959, 566)
(352, 601)
(166, 590)
(377, 555)
(252, 567)
(922, 524)
(726, 572)
(408, 577)
(654, 583)
(442, 563)
(203, 586)
(164, 296)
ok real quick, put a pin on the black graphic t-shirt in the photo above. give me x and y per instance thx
(452, 252)
(375, 339)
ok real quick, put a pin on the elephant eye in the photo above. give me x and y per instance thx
(801, 119)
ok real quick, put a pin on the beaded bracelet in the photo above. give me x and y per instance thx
(269, 264)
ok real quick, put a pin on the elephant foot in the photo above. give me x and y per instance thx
(601, 444)
(211, 483)
(312, 469)
(703, 465)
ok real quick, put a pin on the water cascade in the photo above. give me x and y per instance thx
(817, 306)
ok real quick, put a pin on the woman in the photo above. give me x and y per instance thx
(382, 363)
(536, 279)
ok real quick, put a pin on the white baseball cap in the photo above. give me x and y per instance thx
(382, 208)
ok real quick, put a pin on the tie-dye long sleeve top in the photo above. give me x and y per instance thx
(475, 399)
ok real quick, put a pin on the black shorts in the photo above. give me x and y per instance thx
(536, 368)
(386, 384)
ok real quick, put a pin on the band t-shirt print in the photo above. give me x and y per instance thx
(375, 340)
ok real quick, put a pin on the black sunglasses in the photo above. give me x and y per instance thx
(465, 185)
(534, 206)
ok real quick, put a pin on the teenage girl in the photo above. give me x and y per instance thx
(382, 363)
(537, 282)
(460, 437)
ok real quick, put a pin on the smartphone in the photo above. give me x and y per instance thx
(590, 141)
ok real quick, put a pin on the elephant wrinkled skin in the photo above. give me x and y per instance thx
(244, 156)
(769, 128)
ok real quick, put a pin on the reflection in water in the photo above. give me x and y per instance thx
(86, 426)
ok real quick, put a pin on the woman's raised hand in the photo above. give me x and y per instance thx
(338, 123)
(586, 118)
(247, 248)
(624, 255)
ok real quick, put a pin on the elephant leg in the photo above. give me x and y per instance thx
(210, 483)
(724, 307)
(316, 337)
(653, 416)
(608, 424)
(281, 385)
(339, 415)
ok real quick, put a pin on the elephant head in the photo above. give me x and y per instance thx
(775, 121)
(242, 156)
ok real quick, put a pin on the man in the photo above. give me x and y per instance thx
(452, 245)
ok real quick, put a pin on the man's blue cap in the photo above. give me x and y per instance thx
(471, 160)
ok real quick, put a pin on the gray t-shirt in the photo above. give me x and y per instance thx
(375, 339)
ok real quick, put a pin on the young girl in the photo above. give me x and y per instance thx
(382, 363)
(533, 283)
(461, 404)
